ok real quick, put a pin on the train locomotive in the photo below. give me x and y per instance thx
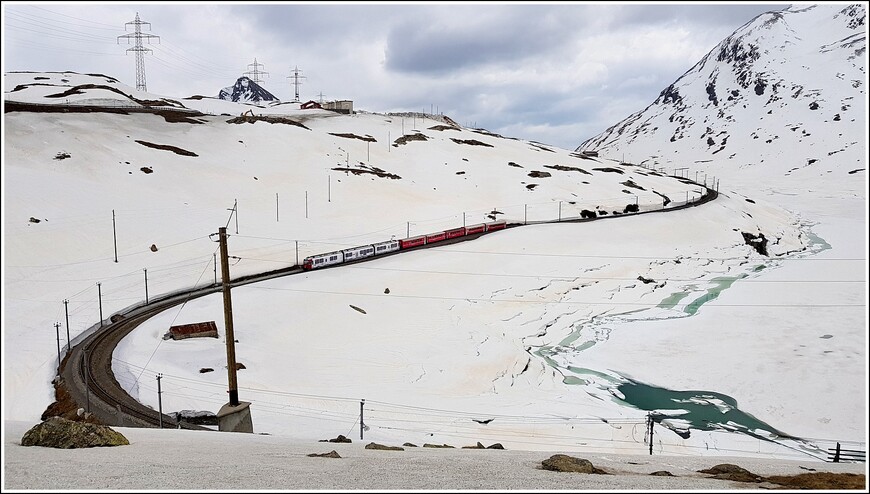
(381, 248)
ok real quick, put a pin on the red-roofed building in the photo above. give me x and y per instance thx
(195, 330)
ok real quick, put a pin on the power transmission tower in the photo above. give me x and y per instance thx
(321, 97)
(137, 35)
(256, 73)
(296, 75)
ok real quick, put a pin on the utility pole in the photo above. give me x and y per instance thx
(114, 235)
(296, 74)
(256, 73)
(651, 424)
(228, 319)
(146, 285)
(159, 401)
(66, 314)
(361, 423)
(100, 299)
(137, 35)
(57, 332)
(87, 380)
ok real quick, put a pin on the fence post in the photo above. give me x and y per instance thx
(837, 454)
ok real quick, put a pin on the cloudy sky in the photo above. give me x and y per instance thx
(555, 73)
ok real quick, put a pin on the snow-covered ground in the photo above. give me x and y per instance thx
(169, 459)
(537, 328)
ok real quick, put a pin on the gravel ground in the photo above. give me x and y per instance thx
(171, 459)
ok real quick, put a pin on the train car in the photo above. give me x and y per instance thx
(407, 243)
(385, 247)
(496, 225)
(475, 229)
(435, 237)
(360, 252)
(456, 232)
(323, 260)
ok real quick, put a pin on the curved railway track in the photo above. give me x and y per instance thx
(87, 370)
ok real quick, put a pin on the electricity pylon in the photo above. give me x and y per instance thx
(256, 72)
(137, 35)
(296, 75)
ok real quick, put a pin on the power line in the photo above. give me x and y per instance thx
(581, 278)
(475, 299)
(108, 26)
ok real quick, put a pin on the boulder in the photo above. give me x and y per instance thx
(727, 471)
(331, 454)
(384, 448)
(339, 439)
(565, 463)
(58, 432)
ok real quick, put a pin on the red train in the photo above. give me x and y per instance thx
(380, 248)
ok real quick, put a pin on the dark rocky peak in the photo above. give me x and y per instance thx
(246, 91)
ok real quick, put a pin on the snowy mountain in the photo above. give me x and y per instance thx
(246, 91)
(794, 79)
(551, 335)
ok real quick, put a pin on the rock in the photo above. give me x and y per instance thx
(58, 432)
(727, 471)
(339, 439)
(662, 473)
(428, 445)
(331, 454)
(478, 446)
(384, 448)
(495, 446)
(565, 463)
(153, 247)
(410, 445)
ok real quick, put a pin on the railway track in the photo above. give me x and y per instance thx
(87, 370)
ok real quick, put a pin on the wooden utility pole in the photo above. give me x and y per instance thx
(57, 331)
(228, 319)
(66, 314)
(159, 401)
(114, 235)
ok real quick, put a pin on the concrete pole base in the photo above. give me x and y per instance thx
(235, 418)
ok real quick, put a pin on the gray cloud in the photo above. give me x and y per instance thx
(551, 73)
